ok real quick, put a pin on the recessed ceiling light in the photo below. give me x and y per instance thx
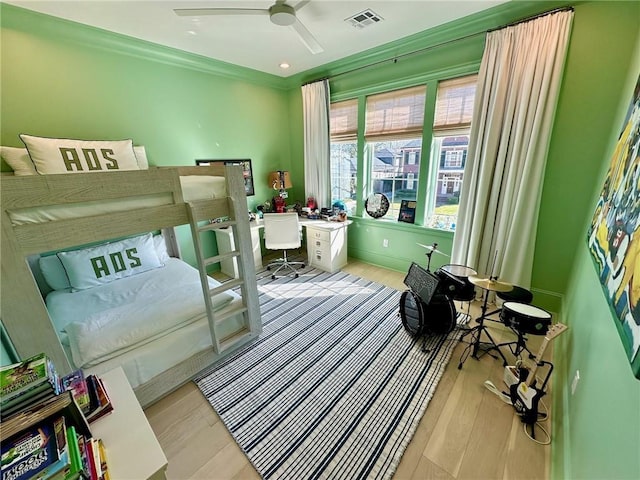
(284, 65)
(192, 32)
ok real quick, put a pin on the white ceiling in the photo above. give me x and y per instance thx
(252, 40)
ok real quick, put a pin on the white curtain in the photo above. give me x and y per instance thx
(317, 170)
(515, 104)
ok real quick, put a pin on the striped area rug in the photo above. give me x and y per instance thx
(334, 387)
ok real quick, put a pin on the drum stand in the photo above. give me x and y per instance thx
(476, 344)
(517, 347)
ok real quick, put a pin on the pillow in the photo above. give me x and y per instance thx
(105, 263)
(161, 248)
(141, 157)
(59, 155)
(18, 159)
(54, 273)
(56, 276)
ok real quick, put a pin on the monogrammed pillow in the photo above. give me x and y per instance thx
(20, 162)
(59, 155)
(105, 263)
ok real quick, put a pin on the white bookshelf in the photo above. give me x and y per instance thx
(132, 448)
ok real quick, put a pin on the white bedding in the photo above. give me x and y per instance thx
(103, 323)
(194, 187)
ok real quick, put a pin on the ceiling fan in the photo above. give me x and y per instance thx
(280, 13)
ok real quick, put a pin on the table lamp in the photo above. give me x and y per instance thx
(280, 180)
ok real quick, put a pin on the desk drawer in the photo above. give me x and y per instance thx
(321, 258)
(320, 235)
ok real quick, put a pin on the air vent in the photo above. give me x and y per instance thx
(364, 19)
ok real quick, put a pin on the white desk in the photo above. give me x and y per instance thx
(326, 245)
(132, 448)
(226, 244)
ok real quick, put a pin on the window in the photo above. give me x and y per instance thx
(454, 109)
(393, 131)
(393, 156)
(453, 158)
(343, 123)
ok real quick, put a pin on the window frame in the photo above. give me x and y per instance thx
(426, 175)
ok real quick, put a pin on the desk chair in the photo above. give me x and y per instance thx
(282, 232)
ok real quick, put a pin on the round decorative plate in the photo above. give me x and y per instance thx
(377, 205)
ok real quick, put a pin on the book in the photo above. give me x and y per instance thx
(62, 404)
(23, 403)
(21, 377)
(103, 460)
(93, 456)
(29, 452)
(75, 458)
(99, 399)
(76, 382)
(59, 469)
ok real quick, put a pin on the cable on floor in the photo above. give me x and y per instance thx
(501, 395)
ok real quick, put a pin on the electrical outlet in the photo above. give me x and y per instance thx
(574, 383)
(385, 243)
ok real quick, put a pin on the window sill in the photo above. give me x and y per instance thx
(401, 226)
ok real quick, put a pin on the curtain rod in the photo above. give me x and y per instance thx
(532, 17)
(395, 58)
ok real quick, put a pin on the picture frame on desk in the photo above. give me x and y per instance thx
(246, 165)
(407, 211)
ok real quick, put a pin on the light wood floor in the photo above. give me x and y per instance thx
(466, 433)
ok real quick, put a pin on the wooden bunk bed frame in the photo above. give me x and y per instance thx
(22, 308)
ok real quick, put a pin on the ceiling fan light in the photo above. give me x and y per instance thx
(282, 14)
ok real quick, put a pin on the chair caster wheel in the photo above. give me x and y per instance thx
(296, 275)
(273, 277)
(268, 268)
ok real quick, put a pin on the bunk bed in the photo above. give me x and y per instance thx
(129, 203)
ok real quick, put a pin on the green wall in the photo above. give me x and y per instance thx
(63, 79)
(601, 44)
(596, 430)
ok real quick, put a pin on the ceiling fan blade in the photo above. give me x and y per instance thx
(307, 38)
(197, 12)
(300, 4)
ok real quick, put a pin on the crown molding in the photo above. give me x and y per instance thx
(475, 24)
(39, 24)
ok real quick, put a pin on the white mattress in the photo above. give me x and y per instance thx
(194, 187)
(157, 354)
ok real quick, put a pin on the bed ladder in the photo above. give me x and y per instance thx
(198, 213)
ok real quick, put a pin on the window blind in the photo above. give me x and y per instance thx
(398, 114)
(343, 121)
(454, 104)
